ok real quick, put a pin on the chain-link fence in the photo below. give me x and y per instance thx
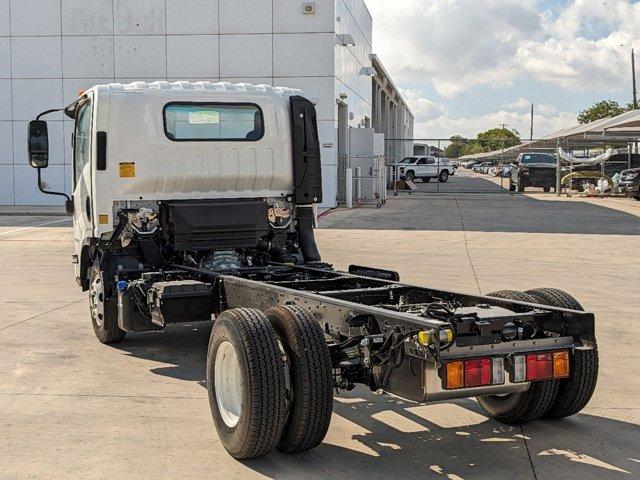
(485, 166)
(431, 165)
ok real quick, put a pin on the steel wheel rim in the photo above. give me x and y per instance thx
(228, 384)
(96, 300)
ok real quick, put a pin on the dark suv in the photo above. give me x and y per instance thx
(630, 182)
(533, 170)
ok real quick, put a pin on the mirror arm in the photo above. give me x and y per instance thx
(47, 112)
(59, 194)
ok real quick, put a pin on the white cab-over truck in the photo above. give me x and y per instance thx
(195, 202)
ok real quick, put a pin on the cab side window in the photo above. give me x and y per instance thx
(82, 140)
(430, 161)
(422, 161)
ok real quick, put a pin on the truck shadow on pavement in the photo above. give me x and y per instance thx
(374, 436)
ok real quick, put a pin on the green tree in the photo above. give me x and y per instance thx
(602, 109)
(472, 148)
(454, 149)
(497, 138)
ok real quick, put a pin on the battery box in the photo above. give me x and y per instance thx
(180, 301)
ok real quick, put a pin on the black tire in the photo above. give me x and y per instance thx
(426, 179)
(311, 378)
(262, 412)
(410, 176)
(520, 407)
(444, 176)
(546, 189)
(520, 189)
(103, 309)
(575, 392)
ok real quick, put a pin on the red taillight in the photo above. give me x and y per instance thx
(539, 366)
(477, 372)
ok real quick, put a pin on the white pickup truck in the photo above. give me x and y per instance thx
(425, 168)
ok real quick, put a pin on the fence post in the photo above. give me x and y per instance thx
(348, 188)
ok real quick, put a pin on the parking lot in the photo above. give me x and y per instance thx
(464, 181)
(73, 408)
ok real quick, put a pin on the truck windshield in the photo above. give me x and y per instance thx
(537, 158)
(213, 122)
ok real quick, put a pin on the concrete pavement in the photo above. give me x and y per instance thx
(73, 408)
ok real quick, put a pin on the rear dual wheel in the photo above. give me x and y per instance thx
(520, 407)
(574, 392)
(549, 398)
(269, 381)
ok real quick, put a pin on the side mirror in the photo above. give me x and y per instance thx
(38, 144)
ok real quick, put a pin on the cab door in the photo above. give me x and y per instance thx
(421, 168)
(431, 167)
(82, 142)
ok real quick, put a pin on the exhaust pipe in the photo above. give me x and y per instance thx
(304, 216)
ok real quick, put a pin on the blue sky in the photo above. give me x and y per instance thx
(468, 65)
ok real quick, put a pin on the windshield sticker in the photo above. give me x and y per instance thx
(204, 116)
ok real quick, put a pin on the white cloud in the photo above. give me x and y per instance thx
(432, 120)
(469, 126)
(524, 105)
(518, 104)
(457, 45)
(423, 109)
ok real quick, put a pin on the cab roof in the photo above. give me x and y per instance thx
(203, 86)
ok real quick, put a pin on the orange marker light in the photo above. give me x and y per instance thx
(455, 375)
(561, 364)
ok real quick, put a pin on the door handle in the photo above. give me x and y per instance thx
(88, 208)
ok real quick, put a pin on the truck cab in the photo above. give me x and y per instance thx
(139, 145)
(533, 170)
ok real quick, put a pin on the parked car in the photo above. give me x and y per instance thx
(630, 182)
(533, 170)
(506, 171)
(426, 168)
(482, 167)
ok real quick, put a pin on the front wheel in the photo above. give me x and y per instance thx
(246, 383)
(410, 176)
(546, 189)
(103, 309)
(444, 176)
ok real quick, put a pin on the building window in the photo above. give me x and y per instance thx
(213, 122)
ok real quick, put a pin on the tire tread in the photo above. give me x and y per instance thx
(313, 396)
(575, 392)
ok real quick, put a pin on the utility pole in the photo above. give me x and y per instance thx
(531, 137)
(633, 76)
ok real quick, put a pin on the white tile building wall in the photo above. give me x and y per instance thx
(50, 49)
